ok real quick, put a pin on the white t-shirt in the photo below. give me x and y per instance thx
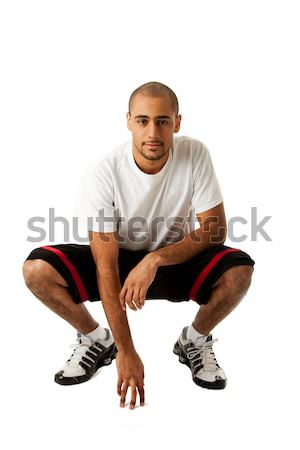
(149, 211)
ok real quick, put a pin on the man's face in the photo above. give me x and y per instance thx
(152, 122)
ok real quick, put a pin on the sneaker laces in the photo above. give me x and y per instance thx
(81, 346)
(205, 353)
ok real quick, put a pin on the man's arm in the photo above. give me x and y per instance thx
(212, 232)
(105, 251)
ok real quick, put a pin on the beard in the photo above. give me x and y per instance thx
(153, 155)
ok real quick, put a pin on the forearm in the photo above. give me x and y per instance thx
(109, 288)
(192, 244)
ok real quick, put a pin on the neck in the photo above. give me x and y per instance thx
(147, 165)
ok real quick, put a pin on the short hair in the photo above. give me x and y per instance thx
(155, 89)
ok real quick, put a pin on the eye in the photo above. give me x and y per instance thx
(163, 122)
(142, 121)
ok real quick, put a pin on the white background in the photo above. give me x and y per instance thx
(67, 70)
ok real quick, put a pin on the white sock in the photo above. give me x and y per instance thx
(193, 334)
(98, 333)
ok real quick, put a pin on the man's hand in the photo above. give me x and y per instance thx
(130, 373)
(135, 287)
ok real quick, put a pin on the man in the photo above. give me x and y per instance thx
(142, 196)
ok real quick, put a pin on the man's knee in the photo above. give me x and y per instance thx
(237, 277)
(32, 272)
(37, 271)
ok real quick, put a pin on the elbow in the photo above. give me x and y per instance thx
(219, 236)
(223, 233)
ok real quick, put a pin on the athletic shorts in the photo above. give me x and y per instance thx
(190, 280)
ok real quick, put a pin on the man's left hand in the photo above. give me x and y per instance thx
(135, 286)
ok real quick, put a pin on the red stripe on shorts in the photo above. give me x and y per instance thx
(205, 272)
(75, 275)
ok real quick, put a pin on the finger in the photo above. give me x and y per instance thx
(122, 298)
(133, 397)
(123, 394)
(136, 297)
(142, 296)
(119, 385)
(132, 305)
(136, 304)
(128, 300)
(142, 395)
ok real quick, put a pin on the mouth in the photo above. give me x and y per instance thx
(153, 144)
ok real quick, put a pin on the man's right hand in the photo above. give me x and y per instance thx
(130, 373)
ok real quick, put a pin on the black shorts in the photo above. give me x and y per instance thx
(190, 280)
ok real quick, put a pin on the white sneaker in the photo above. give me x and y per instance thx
(201, 359)
(86, 359)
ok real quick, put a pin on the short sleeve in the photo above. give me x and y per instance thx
(206, 190)
(94, 202)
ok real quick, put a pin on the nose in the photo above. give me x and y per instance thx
(153, 131)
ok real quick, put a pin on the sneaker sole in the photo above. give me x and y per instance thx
(218, 384)
(68, 381)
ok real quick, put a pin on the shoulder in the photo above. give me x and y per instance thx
(190, 146)
(110, 162)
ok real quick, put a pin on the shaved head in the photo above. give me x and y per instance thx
(155, 89)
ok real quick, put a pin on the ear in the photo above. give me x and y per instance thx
(128, 117)
(177, 123)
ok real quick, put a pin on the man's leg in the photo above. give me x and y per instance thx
(95, 345)
(194, 346)
(226, 294)
(50, 287)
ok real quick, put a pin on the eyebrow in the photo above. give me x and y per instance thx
(141, 116)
